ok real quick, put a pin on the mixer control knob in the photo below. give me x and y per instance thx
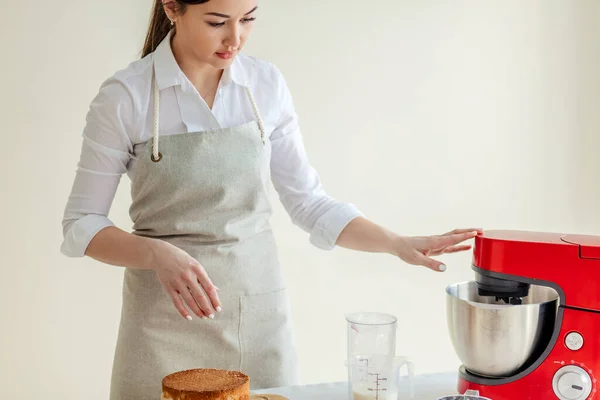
(574, 341)
(572, 383)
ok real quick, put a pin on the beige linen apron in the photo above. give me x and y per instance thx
(206, 193)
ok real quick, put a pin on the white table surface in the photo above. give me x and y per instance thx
(426, 387)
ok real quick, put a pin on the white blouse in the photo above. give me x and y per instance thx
(120, 116)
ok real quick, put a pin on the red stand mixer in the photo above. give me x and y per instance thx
(528, 327)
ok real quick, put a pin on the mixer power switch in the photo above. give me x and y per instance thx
(574, 341)
(572, 383)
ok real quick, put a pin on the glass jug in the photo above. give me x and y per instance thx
(378, 377)
(371, 333)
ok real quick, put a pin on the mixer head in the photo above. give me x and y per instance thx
(508, 291)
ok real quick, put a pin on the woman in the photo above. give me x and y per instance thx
(200, 129)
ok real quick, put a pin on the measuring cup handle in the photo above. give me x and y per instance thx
(410, 367)
(411, 374)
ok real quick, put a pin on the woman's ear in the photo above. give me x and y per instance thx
(170, 7)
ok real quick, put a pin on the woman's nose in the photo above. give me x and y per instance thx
(233, 39)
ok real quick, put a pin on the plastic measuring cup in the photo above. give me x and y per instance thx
(371, 333)
(378, 377)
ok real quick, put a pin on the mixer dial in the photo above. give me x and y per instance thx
(574, 341)
(572, 383)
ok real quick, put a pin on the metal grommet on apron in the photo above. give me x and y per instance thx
(157, 158)
(208, 194)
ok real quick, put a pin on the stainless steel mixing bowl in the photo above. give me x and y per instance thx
(495, 339)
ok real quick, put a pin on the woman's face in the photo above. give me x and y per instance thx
(214, 32)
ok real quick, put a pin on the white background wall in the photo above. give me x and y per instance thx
(428, 115)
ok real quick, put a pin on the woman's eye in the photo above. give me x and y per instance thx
(219, 24)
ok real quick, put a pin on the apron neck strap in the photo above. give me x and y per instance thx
(156, 156)
(259, 120)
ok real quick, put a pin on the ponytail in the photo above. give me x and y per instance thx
(160, 25)
(158, 29)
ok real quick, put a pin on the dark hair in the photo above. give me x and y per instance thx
(160, 24)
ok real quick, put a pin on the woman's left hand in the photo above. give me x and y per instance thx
(417, 250)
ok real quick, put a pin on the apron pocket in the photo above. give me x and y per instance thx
(267, 340)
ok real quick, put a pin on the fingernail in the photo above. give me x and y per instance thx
(189, 317)
(212, 316)
(219, 309)
(442, 267)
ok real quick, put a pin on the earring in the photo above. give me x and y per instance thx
(172, 22)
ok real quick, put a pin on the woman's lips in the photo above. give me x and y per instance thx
(226, 55)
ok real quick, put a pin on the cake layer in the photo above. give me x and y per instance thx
(206, 384)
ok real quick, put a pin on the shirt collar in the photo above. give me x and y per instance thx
(169, 74)
(234, 73)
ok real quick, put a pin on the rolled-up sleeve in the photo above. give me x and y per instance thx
(298, 184)
(105, 153)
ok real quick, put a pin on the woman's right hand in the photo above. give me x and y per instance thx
(185, 280)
